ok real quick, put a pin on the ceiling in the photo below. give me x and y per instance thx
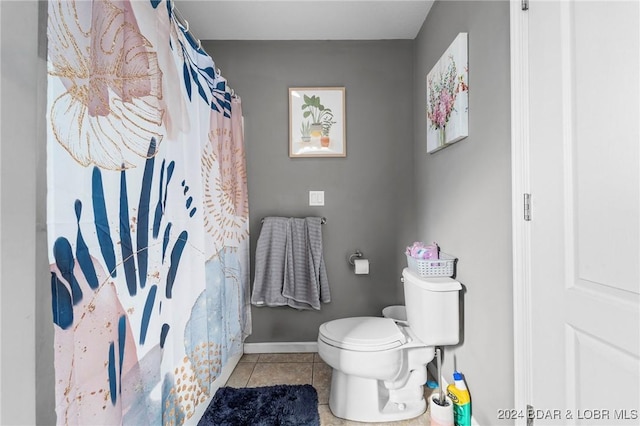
(304, 19)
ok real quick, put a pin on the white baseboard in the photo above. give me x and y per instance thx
(280, 347)
(434, 373)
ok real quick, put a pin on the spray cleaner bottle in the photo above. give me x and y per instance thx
(461, 399)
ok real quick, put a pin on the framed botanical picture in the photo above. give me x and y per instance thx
(448, 97)
(317, 126)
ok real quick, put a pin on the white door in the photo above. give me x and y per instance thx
(585, 211)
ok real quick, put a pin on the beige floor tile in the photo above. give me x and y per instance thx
(281, 373)
(322, 381)
(250, 358)
(316, 358)
(328, 419)
(286, 357)
(325, 415)
(240, 375)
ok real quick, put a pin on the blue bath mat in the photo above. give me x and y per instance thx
(290, 405)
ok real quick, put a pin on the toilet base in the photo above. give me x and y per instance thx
(368, 400)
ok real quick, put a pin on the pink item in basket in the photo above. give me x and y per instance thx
(410, 248)
(433, 251)
(420, 250)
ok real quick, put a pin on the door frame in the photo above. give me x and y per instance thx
(521, 229)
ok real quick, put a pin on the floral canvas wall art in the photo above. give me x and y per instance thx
(448, 97)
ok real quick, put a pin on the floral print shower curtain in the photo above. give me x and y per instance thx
(147, 214)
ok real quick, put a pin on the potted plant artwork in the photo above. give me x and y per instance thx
(305, 131)
(317, 122)
(327, 122)
(317, 112)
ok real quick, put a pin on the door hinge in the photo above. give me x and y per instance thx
(525, 4)
(529, 415)
(527, 207)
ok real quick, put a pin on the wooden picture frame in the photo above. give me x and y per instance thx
(317, 126)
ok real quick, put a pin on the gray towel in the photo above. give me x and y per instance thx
(290, 268)
(270, 261)
(305, 280)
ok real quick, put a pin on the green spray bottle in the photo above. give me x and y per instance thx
(461, 399)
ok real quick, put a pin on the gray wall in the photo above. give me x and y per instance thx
(22, 124)
(45, 373)
(464, 199)
(367, 194)
(27, 394)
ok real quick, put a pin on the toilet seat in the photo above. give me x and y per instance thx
(364, 334)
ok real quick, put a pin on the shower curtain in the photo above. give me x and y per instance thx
(147, 214)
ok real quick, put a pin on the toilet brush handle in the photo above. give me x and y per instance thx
(439, 368)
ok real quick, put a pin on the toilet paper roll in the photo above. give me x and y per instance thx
(361, 266)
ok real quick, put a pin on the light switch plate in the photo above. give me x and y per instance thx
(316, 198)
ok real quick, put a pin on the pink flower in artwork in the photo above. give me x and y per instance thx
(442, 96)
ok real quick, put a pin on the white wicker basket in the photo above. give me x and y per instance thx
(443, 267)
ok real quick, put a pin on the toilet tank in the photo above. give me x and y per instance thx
(432, 306)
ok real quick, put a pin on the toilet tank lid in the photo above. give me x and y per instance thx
(431, 283)
(362, 333)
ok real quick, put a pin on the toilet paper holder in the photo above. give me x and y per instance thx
(358, 254)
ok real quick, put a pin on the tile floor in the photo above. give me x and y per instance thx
(298, 369)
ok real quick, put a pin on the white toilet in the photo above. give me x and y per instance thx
(380, 364)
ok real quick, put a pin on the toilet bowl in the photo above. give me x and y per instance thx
(379, 364)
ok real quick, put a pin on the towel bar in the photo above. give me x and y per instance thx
(323, 220)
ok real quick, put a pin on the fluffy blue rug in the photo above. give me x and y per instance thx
(290, 405)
